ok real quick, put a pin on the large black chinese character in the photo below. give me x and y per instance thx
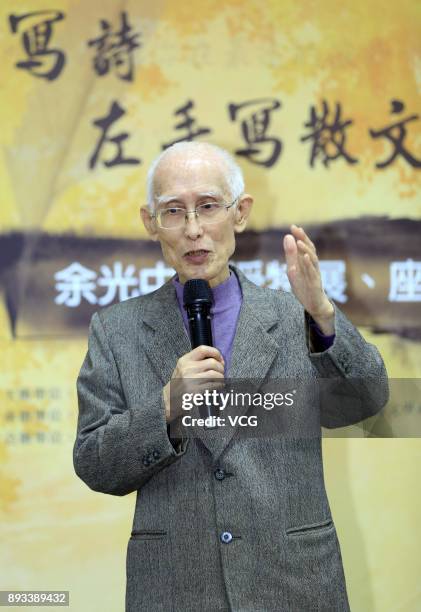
(328, 137)
(262, 150)
(35, 41)
(396, 134)
(115, 49)
(187, 123)
(105, 123)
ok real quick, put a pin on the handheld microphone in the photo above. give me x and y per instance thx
(198, 300)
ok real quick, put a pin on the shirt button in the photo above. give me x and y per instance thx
(226, 537)
(219, 474)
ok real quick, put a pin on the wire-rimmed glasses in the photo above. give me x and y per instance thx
(208, 212)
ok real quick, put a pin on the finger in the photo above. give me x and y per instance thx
(300, 234)
(310, 269)
(204, 352)
(193, 368)
(313, 277)
(204, 379)
(210, 374)
(305, 238)
(291, 251)
(302, 265)
(298, 266)
(304, 248)
(209, 364)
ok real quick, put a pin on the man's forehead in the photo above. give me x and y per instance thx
(185, 172)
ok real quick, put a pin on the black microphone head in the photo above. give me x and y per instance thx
(196, 291)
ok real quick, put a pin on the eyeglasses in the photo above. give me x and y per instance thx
(207, 212)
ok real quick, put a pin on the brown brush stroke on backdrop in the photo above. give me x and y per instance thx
(367, 245)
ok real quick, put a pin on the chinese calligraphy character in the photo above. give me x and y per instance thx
(10, 438)
(368, 280)
(55, 415)
(117, 279)
(104, 123)
(54, 393)
(333, 279)
(153, 278)
(261, 149)
(328, 138)
(115, 49)
(276, 276)
(253, 270)
(75, 282)
(42, 62)
(405, 281)
(186, 123)
(396, 134)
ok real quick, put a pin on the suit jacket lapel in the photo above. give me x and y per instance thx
(165, 339)
(254, 349)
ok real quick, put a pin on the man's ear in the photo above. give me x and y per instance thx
(148, 222)
(242, 211)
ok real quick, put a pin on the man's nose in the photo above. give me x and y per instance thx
(193, 228)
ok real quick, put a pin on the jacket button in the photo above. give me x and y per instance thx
(156, 454)
(226, 537)
(146, 461)
(219, 474)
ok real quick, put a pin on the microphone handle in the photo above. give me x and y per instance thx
(200, 333)
(200, 327)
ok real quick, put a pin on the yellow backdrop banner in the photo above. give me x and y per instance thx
(320, 105)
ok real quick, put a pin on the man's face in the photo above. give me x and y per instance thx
(196, 250)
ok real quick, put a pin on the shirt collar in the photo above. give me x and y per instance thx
(224, 294)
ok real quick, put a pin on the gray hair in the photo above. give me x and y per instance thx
(234, 174)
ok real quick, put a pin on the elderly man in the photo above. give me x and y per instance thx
(240, 524)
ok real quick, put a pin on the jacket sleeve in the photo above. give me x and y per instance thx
(117, 448)
(352, 376)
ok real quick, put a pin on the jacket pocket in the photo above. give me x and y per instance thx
(312, 568)
(326, 525)
(147, 534)
(148, 571)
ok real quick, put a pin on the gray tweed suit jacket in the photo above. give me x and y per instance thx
(267, 493)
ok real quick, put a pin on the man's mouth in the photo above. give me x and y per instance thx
(196, 252)
(196, 256)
